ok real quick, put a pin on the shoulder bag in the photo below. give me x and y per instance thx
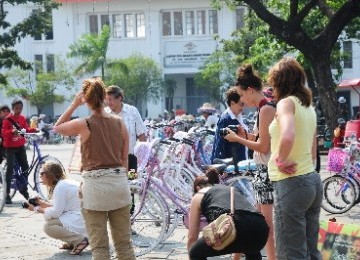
(221, 232)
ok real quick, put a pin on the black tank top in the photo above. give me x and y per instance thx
(216, 201)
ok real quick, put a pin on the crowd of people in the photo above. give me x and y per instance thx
(284, 221)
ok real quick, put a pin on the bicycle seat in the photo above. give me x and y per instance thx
(219, 166)
(226, 161)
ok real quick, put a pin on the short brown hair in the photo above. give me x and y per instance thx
(115, 91)
(232, 95)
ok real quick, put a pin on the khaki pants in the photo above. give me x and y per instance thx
(96, 227)
(53, 228)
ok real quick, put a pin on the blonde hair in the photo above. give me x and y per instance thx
(54, 172)
(94, 93)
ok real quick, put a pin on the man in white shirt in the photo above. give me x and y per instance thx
(131, 116)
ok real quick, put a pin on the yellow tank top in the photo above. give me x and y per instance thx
(305, 127)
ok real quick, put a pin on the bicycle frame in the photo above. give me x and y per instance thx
(36, 158)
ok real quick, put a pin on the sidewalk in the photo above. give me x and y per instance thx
(21, 235)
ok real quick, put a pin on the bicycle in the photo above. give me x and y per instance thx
(342, 190)
(2, 188)
(18, 180)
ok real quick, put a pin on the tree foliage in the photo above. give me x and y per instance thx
(217, 75)
(11, 34)
(91, 49)
(143, 80)
(42, 90)
(312, 28)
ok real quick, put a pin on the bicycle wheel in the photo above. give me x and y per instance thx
(149, 220)
(39, 187)
(13, 185)
(340, 194)
(2, 187)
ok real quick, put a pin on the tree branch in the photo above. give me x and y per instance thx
(305, 11)
(346, 13)
(325, 9)
(293, 8)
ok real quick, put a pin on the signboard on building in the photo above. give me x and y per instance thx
(187, 53)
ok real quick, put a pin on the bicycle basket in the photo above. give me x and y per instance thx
(336, 159)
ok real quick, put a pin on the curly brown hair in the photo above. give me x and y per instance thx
(289, 79)
(94, 93)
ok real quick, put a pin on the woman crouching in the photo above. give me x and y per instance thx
(213, 200)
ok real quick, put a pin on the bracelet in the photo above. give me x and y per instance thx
(246, 134)
(36, 209)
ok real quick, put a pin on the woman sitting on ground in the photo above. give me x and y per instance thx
(63, 219)
(213, 200)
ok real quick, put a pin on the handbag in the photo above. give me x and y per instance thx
(221, 232)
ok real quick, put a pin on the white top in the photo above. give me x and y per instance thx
(133, 121)
(212, 121)
(66, 207)
(238, 118)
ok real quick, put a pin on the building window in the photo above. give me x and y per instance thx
(38, 64)
(50, 63)
(194, 22)
(178, 23)
(49, 34)
(104, 19)
(93, 24)
(166, 23)
(189, 23)
(213, 22)
(239, 18)
(117, 25)
(48, 66)
(348, 55)
(201, 23)
(140, 25)
(129, 25)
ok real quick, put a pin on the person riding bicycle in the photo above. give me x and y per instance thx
(13, 129)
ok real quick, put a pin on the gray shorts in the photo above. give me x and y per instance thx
(263, 188)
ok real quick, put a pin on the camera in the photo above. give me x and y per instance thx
(224, 131)
(32, 201)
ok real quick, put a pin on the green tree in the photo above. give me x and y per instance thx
(312, 28)
(42, 90)
(141, 83)
(92, 49)
(38, 22)
(217, 74)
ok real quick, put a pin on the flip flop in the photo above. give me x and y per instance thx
(66, 246)
(80, 247)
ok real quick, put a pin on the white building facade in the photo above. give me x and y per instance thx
(178, 34)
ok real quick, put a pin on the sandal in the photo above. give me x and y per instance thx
(66, 246)
(80, 247)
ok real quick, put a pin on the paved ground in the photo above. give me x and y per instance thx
(21, 235)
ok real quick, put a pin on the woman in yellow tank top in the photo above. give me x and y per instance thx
(297, 187)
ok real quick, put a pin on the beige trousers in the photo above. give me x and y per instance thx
(53, 228)
(120, 227)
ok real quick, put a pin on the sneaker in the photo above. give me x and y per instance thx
(8, 200)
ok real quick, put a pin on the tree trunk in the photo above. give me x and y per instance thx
(327, 91)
